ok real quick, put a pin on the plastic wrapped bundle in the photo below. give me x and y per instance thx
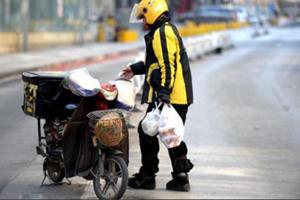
(126, 94)
(81, 83)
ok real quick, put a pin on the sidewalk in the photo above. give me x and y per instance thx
(64, 57)
(67, 57)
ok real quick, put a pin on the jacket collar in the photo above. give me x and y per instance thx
(159, 22)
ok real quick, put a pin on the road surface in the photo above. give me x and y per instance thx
(242, 130)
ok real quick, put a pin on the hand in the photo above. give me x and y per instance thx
(163, 99)
(127, 73)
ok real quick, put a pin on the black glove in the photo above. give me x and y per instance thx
(164, 99)
(163, 95)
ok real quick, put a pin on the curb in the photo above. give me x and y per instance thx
(69, 64)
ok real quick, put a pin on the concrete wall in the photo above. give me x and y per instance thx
(11, 42)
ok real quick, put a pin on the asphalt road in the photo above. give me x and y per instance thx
(242, 130)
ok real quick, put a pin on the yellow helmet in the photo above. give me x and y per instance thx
(151, 10)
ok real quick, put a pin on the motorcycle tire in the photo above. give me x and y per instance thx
(113, 183)
(54, 171)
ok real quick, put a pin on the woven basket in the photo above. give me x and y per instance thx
(109, 129)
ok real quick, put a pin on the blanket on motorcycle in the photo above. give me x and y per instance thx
(78, 150)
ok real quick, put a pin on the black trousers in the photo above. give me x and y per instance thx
(150, 148)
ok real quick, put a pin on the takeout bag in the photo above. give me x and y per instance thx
(150, 122)
(170, 127)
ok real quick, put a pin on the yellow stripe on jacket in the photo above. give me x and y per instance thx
(167, 51)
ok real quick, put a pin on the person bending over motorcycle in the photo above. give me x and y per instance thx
(168, 80)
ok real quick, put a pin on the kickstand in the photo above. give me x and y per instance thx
(45, 176)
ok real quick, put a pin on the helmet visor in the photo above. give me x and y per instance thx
(135, 16)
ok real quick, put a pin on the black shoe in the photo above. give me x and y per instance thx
(180, 182)
(142, 181)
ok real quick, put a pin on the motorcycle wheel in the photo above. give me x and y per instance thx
(54, 171)
(113, 183)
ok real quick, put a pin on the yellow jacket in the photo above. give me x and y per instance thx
(166, 67)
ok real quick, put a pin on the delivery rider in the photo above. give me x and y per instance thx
(168, 80)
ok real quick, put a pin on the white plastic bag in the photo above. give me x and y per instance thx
(150, 122)
(170, 127)
(81, 83)
(126, 94)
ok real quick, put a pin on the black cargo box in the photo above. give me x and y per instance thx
(44, 95)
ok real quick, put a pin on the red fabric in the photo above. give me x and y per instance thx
(101, 102)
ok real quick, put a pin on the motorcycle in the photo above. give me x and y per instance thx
(80, 136)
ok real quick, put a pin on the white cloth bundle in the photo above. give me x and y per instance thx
(81, 83)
